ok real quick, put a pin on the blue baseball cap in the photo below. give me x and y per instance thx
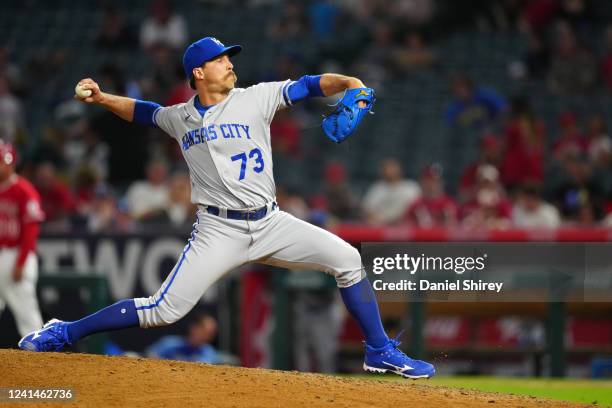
(204, 50)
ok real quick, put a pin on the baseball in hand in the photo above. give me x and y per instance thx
(82, 93)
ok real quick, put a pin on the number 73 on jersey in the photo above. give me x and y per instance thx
(253, 156)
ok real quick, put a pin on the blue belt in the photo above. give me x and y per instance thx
(246, 215)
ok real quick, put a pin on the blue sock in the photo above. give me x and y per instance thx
(361, 303)
(120, 315)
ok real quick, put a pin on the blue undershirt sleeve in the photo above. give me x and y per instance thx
(307, 86)
(144, 112)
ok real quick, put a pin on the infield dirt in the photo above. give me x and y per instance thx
(100, 381)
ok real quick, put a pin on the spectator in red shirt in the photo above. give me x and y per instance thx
(20, 214)
(538, 13)
(85, 182)
(571, 141)
(286, 134)
(181, 91)
(490, 153)
(489, 207)
(524, 145)
(435, 208)
(57, 201)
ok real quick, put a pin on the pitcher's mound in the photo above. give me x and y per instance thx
(99, 381)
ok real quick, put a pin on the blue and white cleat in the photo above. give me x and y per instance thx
(51, 337)
(390, 359)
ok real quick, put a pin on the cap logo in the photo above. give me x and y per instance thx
(219, 43)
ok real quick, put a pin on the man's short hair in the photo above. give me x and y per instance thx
(192, 83)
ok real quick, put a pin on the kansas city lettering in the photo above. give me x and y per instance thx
(215, 132)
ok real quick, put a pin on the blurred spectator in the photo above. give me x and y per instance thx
(11, 113)
(489, 207)
(179, 92)
(530, 211)
(490, 153)
(288, 200)
(43, 67)
(597, 139)
(319, 214)
(195, 346)
(434, 208)
(571, 141)
(286, 65)
(573, 69)
(413, 54)
(163, 27)
(149, 198)
(57, 202)
(607, 220)
(340, 199)
(498, 15)
(374, 62)
(588, 216)
(324, 15)
(318, 312)
(86, 181)
(163, 74)
(414, 13)
(538, 56)
(577, 13)
(180, 210)
(286, 134)
(111, 78)
(292, 24)
(473, 106)
(11, 72)
(575, 191)
(49, 148)
(538, 14)
(128, 144)
(387, 199)
(113, 32)
(105, 214)
(363, 11)
(86, 148)
(317, 321)
(606, 62)
(524, 145)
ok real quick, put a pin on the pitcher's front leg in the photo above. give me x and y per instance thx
(296, 244)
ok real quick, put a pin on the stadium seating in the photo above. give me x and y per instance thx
(408, 121)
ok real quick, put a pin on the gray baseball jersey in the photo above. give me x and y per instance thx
(228, 151)
(229, 155)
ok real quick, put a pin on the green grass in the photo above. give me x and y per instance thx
(586, 391)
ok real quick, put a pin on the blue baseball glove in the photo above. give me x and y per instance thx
(343, 121)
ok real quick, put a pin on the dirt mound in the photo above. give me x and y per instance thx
(100, 381)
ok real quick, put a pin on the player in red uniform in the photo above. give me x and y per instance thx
(20, 215)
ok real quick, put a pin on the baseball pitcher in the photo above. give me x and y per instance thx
(224, 135)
